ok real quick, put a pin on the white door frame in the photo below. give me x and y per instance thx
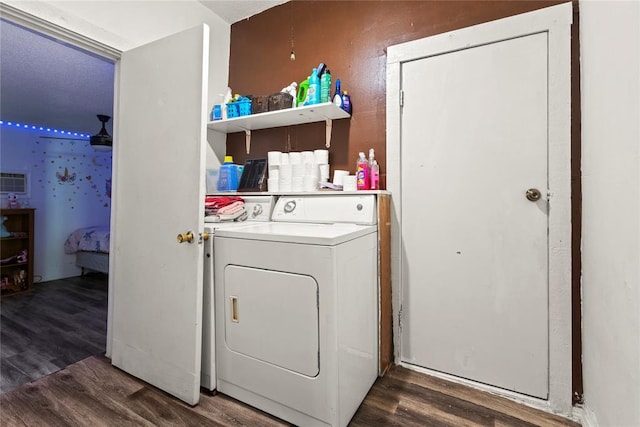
(556, 22)
(58, 32)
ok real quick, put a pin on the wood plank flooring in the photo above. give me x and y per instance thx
(63, 322)
(54, 325)
(92, 392)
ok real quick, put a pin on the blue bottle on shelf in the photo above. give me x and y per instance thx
(314, 88)
(228, 175)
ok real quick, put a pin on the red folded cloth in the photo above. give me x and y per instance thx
(232, 208)
(213, 203)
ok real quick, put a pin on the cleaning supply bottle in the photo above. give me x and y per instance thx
(375, 176)
(325, 86)
(337, 96)
(291, 90)
(303, 91)
(346, 102)
(314, 88)
(362, 172)
(374, 171)
(228, 175)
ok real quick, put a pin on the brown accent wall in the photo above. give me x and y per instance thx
(351, 37)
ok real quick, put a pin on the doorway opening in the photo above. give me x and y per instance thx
(53, 84)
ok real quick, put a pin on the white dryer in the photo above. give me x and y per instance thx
(296, 309)
(258, 209)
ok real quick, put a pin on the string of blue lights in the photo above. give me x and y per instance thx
(42, 129)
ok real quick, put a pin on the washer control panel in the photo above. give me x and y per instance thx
(258, 208)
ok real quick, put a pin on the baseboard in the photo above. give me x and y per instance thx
(533, 402)
(585, 416)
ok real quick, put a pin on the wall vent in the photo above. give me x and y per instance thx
(14, 183)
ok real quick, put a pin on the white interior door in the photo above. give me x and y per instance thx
(475, 258)
(159, 192)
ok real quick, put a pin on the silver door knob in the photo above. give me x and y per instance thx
(533, 194)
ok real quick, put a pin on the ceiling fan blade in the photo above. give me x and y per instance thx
(60, 137)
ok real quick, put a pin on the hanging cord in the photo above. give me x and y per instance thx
(293, 51)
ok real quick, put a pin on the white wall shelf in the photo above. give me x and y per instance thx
(288, 117)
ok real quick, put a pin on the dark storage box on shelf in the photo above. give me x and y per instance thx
(280, 101)
(260, 104)
(274, 102)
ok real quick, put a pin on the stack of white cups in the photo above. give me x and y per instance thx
(273, 160)
(310, 174)
(297, 171)
(321, 159)
(285, 180)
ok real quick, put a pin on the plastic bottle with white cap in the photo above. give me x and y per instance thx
(374, 171)
(362, 172)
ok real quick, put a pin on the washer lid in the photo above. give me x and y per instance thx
(311, 234)
(214, 227)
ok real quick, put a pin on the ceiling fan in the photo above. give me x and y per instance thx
(101, 141)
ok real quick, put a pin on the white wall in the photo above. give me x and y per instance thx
(610, 73)
(124, 25)
(63, 201)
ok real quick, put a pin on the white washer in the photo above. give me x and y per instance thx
(296, 309)
(258, 209)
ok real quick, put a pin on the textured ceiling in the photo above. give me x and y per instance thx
(235, 10)
(47, 83)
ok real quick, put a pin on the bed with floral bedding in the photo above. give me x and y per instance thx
(91, 246)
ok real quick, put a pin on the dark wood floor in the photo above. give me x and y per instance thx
(92, 392)
(54, 325)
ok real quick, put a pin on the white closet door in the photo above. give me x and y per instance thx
(475, 269)
(159, 192)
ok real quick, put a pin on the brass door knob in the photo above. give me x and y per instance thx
(533, 194)
(187, 237)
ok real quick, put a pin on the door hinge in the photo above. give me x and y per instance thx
(402, 98)
(400, 318)
(578, 397)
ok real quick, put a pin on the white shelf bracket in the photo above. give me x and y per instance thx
(247, 140)
(328, 128)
